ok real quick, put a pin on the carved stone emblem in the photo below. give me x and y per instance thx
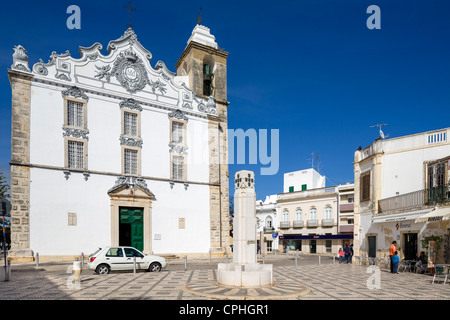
(130, 71)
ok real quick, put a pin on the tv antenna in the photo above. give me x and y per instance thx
(312, 160)
(382, 135)
(318, 163)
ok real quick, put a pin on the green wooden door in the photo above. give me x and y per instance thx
(132, 221)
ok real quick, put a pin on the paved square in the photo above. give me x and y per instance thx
(326, 281)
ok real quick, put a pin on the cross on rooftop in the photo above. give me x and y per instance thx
(130, 9)
(199, 17)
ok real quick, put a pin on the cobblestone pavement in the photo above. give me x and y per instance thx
(326, 281)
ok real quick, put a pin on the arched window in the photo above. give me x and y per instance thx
(268, 223)
(298, 214)
(328, 213)
(285, 215)
(208, 74)
(312, 213)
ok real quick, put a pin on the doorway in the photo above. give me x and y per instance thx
(372, 241)
(410, 245)
(312, 245)
(131, 227)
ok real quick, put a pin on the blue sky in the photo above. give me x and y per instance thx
(311, 69)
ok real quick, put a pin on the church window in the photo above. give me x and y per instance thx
(130, 161)
(75, 154)
(177, 132)
(177, 167)
(74, 114)
(130, 122)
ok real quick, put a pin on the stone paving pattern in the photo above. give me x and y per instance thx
(326, 282)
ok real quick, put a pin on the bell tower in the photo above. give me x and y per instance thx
(204, 69)
(204, 65)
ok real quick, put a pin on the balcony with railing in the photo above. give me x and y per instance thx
(415, 200)
(346, 207)
(285, 224)
(312, 223)
(299, 224)
(327, 223)
(346, 228)
(269, 229)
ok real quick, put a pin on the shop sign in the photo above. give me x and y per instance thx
(403, 226)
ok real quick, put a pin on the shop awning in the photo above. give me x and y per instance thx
(439, 214)
(411, 215)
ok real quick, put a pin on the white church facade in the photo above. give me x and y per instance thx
(109, 150)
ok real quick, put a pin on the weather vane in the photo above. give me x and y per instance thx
(130, 9)
(199, 17)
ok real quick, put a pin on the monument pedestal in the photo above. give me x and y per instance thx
(245, 275)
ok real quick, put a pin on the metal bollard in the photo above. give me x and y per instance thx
(185, 263)
(37, 259)
(319, 259)
(82, 259)
(333, 259)
(8, 274)
(134, 264)
(76, 270)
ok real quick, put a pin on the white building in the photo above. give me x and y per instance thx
(110, 150)
(268, 223)
(314, 218)
(402, 193)
(303, 180)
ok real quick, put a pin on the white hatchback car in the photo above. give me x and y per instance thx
(122, 258)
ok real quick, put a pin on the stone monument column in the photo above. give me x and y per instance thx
(244, 271)
(244, 223)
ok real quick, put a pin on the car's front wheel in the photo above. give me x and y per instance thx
(155, 267)
(102, 269)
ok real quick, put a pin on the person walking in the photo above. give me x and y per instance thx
(341, 255)
(392, 250)
(351, 252)
(395, 262)
(347, 253)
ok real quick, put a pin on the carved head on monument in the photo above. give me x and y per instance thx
(244, 180)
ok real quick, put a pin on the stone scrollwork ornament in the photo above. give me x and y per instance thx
(75, 92)
(20, 59)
